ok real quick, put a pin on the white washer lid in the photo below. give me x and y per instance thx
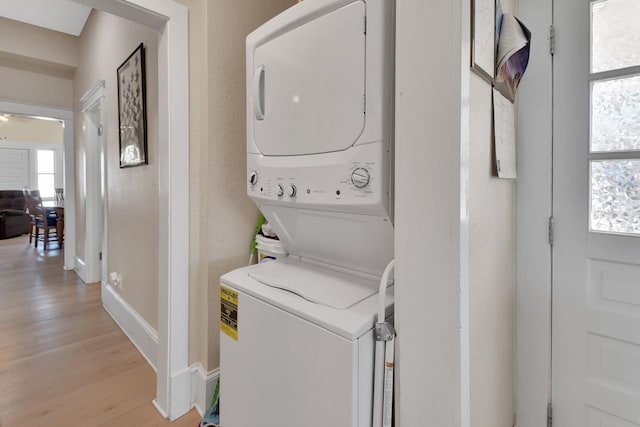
(350, 323)
(316, 284)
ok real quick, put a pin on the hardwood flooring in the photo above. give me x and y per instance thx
(63, 361)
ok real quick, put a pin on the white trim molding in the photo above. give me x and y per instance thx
(93, 116)
(170, 19)
(93, 94)
(141, 334)
(80, 268)
(203, 385)
(533, 209)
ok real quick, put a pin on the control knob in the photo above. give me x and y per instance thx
(291, 190)
(253, 178)
(279, 190)
(360, 177)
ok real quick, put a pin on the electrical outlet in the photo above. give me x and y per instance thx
(115, 279)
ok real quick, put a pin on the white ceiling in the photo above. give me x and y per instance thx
(60, 15)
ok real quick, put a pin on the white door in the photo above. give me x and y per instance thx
(596, 205)
(14, 169)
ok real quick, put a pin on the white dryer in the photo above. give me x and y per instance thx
(297, 342)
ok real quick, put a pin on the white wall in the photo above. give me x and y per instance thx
(28, 129)
(432, 84)
(491, 273)
(34, 134)
(491, 269)
(455, 231)
(33, 153)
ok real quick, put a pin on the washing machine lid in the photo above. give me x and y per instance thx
(350, 323)
(308, 85)
(316, 284)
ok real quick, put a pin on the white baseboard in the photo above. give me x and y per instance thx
(80, 269)
(203, 385)
(180, 388)
(141, 334)
(159, 409)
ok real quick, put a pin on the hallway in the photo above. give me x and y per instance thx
(63, 360)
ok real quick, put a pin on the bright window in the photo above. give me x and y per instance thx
(614, 153)
(46, 167)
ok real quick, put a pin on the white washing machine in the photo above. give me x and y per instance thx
(297, 343)
(300, 358)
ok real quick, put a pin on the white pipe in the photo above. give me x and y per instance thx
(382, 291)
(387, 408)
(378, 385)
(380, 370)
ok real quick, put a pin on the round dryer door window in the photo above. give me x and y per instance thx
(309, 86)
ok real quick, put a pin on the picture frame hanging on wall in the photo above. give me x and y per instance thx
(483, 38)
(132, 109)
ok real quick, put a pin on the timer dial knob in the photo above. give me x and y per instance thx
(292, 190)
(279, 190)
(360, 177)
(253, 178)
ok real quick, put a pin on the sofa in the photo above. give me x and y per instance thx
(14, 221)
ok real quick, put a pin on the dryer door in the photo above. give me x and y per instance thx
(309, 86)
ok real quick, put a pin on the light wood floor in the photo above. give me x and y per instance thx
(63, 360)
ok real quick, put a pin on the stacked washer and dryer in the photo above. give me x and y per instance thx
(297, 348)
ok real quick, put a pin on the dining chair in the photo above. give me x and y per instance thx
(29, 209)
(41, 219)
(60, 196)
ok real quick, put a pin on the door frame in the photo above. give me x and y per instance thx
(66, 116)
(95, 229)
(170, 19)
(533, 212)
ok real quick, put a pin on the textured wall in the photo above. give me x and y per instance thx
(231, 214)
(36, 64)
(30, 41)
(222, 218)
(491, 273)
(105, 43)
(221, 215)
(491, 270)
(36, 88)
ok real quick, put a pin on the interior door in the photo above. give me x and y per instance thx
(596, 205)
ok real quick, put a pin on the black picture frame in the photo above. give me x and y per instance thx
(132, 109)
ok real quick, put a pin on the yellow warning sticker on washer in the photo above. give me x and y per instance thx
(229, 312)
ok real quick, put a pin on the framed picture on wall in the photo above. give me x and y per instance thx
(132, 110)
(483, 38)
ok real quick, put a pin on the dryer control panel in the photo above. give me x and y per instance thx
(358, 183)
